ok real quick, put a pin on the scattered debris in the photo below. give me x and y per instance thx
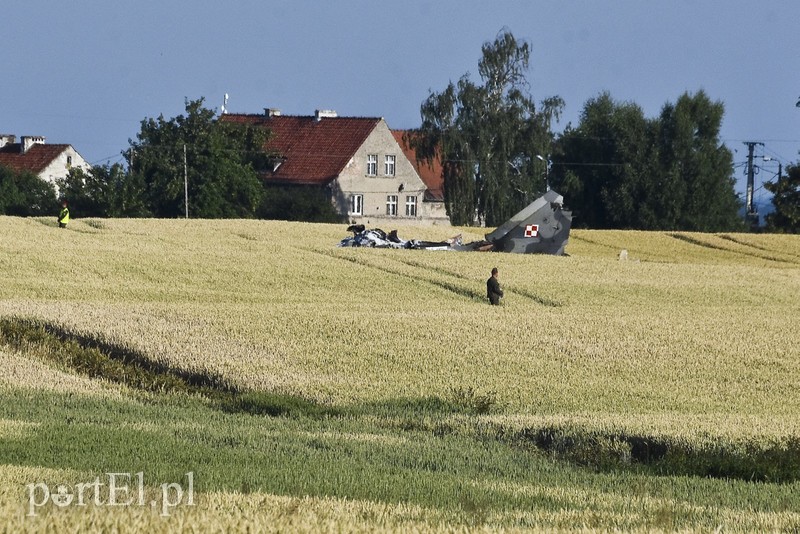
(377, 238)
(542, 227)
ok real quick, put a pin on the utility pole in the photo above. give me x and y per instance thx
(185, 182)
(751, 215)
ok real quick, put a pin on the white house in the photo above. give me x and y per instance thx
(33, 154)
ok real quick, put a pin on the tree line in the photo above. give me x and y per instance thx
(622, 170)
(212, 164)
(616, 168)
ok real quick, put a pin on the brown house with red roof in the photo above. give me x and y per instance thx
(33, 154)
(358, 161)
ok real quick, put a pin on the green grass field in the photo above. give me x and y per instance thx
(311, 388)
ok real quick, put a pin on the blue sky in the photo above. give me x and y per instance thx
(86, 72)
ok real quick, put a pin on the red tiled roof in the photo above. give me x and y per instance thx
(430, 173)
(314, 151)
(34, 160)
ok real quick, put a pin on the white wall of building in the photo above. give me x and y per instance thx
(405, 185)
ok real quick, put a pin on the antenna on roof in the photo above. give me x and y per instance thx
(224, 108)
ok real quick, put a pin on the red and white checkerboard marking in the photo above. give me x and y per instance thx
(531, 230)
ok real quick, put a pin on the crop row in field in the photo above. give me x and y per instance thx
(690, 344)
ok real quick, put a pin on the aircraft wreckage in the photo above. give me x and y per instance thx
(540, 228)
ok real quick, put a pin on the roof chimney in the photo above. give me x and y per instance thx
(30, 140)
(7, 139)
(272, 112)
(320, 114)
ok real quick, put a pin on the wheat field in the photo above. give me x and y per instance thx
(690, 342)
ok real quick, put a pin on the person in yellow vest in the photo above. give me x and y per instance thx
(63, 215)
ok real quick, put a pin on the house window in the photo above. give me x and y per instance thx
(69, 161)
(356, 204)
(389, 165)
(411, 206)
(391, 205)
(372, 165)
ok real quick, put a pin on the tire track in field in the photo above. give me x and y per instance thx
(521, 292)
(460, 291)
(454, 287)
(732, 239)
(700, 243)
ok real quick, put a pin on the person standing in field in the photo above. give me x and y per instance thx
(63, 215)
(493, 291)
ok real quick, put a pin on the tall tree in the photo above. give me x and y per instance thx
(696, 168)
(488, 135)
(221, 160)
(786, 199)
(618, 169)
(604, 166)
